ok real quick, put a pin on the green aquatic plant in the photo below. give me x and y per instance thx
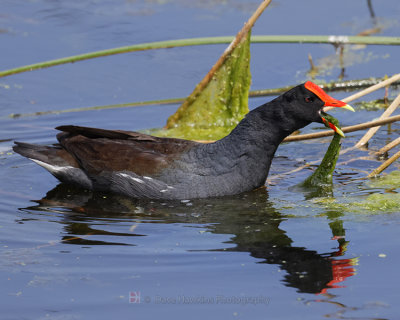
(220, 100)
(389, 181)
(386, 201)
(378, 203)
(328, 39)
(320, 182)
(213, 112)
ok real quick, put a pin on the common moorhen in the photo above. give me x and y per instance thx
(143, 166)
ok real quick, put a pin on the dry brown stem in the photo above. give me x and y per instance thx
(384, 165)
(364, 140)
(327, 133)
(389, 146)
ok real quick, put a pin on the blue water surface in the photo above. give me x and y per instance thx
(275, 253)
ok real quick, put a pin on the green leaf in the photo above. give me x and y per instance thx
(212, 113)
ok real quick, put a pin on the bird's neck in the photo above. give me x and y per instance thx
(263, 129)
(251, 146)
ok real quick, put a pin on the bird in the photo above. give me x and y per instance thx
(143, 166)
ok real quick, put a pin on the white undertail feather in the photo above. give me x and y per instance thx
(52, 168)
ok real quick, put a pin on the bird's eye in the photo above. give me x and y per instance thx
(308, 99)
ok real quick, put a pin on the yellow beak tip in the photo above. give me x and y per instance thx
(340, 132)
(348, 107)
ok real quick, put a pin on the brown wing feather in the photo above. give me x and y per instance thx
(104, 133)
(115, 150)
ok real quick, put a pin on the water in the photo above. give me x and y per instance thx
(277, 253)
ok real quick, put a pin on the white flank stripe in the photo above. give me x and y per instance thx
(124, 175)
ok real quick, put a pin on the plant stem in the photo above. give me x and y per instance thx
(335, 40)
(384, 165)
(326, 133)
(389, 146)
(110, 106)
(330, 86)
(371, 84)
(364, 140)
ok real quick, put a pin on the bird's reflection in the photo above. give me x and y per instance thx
(250, 219)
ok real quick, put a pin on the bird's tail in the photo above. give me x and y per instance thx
(56, 160)
(44, 154)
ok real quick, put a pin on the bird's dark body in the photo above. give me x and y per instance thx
(144, 166)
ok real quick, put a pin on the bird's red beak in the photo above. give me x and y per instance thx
(329, 102)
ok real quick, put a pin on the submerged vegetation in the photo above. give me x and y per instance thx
(384, 199)
(321, 181)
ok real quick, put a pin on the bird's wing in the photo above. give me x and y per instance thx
(99, 150)
(104, 133)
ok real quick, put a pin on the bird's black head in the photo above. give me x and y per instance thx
(305, 103)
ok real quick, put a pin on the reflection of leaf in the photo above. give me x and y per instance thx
(214, 111)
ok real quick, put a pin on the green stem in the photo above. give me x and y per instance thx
(109, 106)
(335, 40)
(348, 85)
